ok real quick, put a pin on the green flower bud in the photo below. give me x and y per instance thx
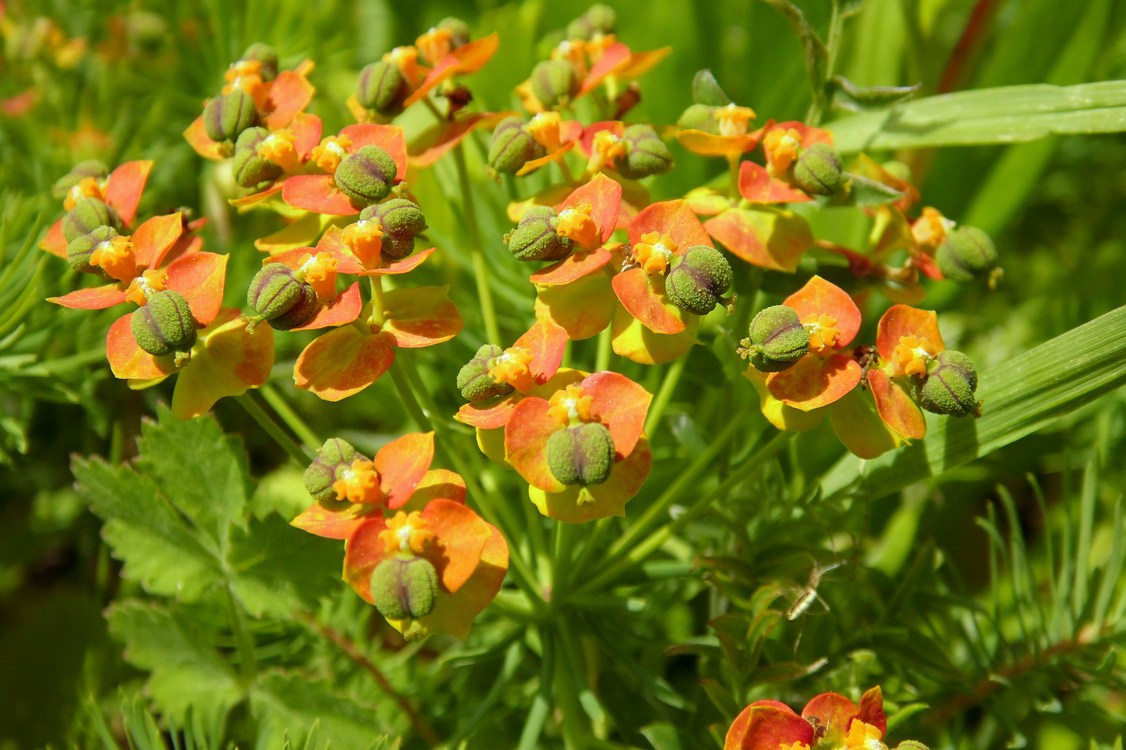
(949, 385)
(967, 254)
(699, 117)
(366, 176)
(398, 216)
(332, 459)
(473, 379)
(512, 146)
(582, 454)
(248, 167)
(281, 298)
(696, 283)
(554, 83)
(87, 215)
(82, 170)
(818, 170)
(404, 587)
(646, 153)
(598, 19)
(164, 324)
(383, 88)
(226, 116)
(267, 58)
(459, 31)
(80, 249)
(777, 339)
(534, 238)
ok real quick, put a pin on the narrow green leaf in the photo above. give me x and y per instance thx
(1008, 114)
(1019, 397)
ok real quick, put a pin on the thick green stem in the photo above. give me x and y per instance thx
(605, 347)
(274, 430)
(480, 271)
(661, 401)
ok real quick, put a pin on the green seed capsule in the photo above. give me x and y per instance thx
(949, 385)
(598, 20)
(332, 459)
(281, 298)
(535, 238)
(818, 170)
(473, 379)
(382, 87)
(404, 587)
(82, 170)
(248, 167)
(966, 254)
(699, 279)
(164, 324)
(226, 116)
(582, 454)
(512, 146)
(267, 58)
(554, 83)
(366, 176)
(646, 153)
(87, 215)
(79, 250)
(777, 339)
(397, 216)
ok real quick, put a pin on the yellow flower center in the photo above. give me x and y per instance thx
(406, 60)
(570, 406)
(365, 240)
(146, 285)
(597, 45)
(435, 44)
(87, 187)
(733, 119)
(863, 736)
(245, 75)
(822, 330)
(912, 354)
(606, 148)
(115, 257)
(406, 532)
(654, 252)
(328, 154)
(512, 367)
(575, 224)
(781, 147)
(278, 147)
(930, 229)
(320, 271)
(359, 483)
(544, 127)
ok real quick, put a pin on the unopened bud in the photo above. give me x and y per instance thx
(282, 299)
(777, 339)
(164, 324)
(267, 58)
(966, 254)
(87, 215)
(699, 117)
(646, 153)
(949, 385)
(696, 283)
(82, 170)
(332, 459)
(248, 167)
(404, 587)
(582, 454)
(226, 116)
(554, 83)
(474, 381)
(535, 236)
(598, 19)
(366, 176)
(512, 146)
(79, 250)
(459, 31)
(818, 170)
(382, 87)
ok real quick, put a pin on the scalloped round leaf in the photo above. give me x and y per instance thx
(402, 464)
(127, 360)
(92, 298)
(814, 381)
(895, 407)
(577, 504)
(525, 443)
(859, 427)
(317, 192)
(604, 196)
(821, 297)
(637, 343)
(200, 277)
(420, 317)
(621, 405)
(645, 298)
(757, 186)
(582, 308)
(227, 363)
(124, 187)
(772, 238)
(343, 362)
(390, 138)
(903, 320)
(767, 725)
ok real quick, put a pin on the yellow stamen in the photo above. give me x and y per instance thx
(320, 272)
(115, 257)
(328, 154)
(359, 483)
(822, 330)
(576, 224)
(279, 148)
(512, 367)
(87, 187)
(930, 229)
(544, 127)
(146, 285)
(606, 148)
(569, 406)
(912, 354)
(654, 252)
(365, 240)
(406, 60)
(406, 532)
(733, 120)
(862, 736)
(781, 147)
(435, 44)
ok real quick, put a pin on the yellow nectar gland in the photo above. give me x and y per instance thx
(512, 367)
(328, 154)
(406, 60)
(930, 229)
(435, 44)
(912, 354)
(862, 736)
(365, 239)
(654, 252)
(320, 271)
(146, 285)
(822, 330)
(87, 187)
(278, 148)
(575, 224)
(359, 483)
(606, 148)
(733, 119)
(781, 147)
(544, 127)
(569, 406)
(115, 257)
(406, 532)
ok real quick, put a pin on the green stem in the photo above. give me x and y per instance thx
(274, 430)
(733, 174)
(291, 418)
(605, 348)
(661, 401)
(819, 107)
(480, 271)
(541, 704)
(248, 664)
(375, 284)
